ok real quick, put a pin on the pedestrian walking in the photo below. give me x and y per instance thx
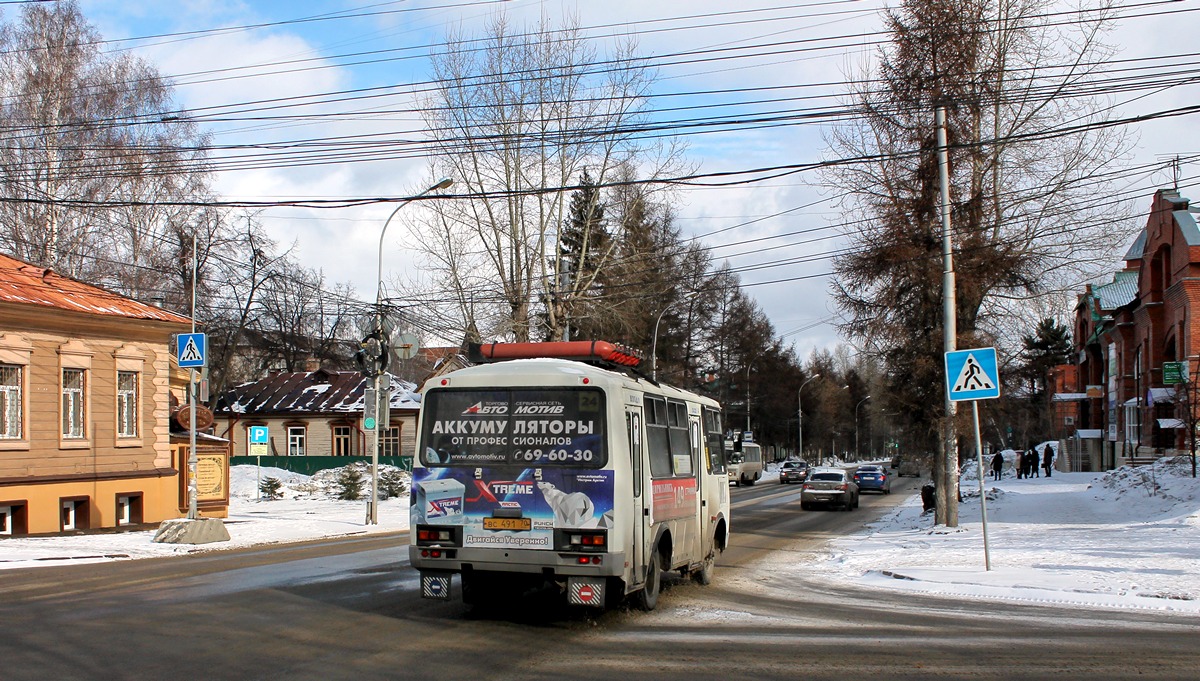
(997, 466)
(1048, 460)
(1019, 464)
(1034, 468)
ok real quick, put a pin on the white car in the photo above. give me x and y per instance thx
(829, 487)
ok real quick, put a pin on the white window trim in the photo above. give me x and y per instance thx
(7, 394)
(75, 355)
(302, 438)
(127, 438)
(78, 401)
(131, 359)
(16, 351)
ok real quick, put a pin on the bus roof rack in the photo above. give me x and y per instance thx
(596, 352)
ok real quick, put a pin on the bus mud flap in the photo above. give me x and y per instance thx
(587, 591)
(435, 585)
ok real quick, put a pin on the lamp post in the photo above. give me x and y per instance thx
(748, 366)
(374, 502)
(857, 453)
(800, 411)
(654, 343)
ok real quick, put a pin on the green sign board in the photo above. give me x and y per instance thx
(1174, 373)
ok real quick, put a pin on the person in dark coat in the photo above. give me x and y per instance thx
(1019, 464)
(997, 466)
(1048, 460)
(1034, 468)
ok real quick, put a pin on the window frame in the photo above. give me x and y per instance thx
(387, 440)
(297, 433)
(127, 403)
(74, 416)
(8, 404)
(341, 437)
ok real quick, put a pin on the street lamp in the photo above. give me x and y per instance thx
(654, 343)
(857, 453)
(748, 366)
(374, 504)
(800, 411)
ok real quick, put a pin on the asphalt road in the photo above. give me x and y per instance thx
(350, 609)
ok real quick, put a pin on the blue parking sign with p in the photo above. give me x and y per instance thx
(191, 351)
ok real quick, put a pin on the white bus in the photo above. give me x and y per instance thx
(746, 466)
(541, 468)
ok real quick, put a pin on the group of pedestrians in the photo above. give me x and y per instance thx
(1026, 464)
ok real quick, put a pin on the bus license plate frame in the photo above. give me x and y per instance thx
(508, 524)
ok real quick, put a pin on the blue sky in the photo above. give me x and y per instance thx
(391, 40)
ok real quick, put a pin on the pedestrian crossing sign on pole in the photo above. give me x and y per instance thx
(191, 351)
(972, 375)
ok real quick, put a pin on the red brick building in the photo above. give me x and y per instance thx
(1126, 330)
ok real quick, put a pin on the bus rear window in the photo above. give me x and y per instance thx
(528, 427)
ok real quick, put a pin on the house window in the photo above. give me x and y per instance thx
(72, 403)
(389, 440)
(74, 513)
(10, 402)
(296, 436)
(342, 441)
(129, 509)
(127, 404)
(13, 518)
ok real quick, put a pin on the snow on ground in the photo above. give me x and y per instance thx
(1129, 538)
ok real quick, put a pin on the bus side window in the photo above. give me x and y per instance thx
(658, 443)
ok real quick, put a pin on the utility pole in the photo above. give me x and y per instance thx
(947, 491)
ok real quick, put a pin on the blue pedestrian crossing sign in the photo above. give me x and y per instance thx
(972, 375)
(191, 351)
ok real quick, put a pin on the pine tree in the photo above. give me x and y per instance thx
(271, 489)
(349, 484)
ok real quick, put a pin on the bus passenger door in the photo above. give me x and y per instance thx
(639, 511)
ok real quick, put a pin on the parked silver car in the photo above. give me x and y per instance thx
(829, 487)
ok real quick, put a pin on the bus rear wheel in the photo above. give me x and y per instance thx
(648, 597)
(704, 574)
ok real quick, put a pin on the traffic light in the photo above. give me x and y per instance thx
(372, 355)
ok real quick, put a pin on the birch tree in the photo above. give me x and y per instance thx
(517, 115)
(84, 135)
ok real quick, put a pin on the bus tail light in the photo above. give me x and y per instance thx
(440, 536)
(589, 540)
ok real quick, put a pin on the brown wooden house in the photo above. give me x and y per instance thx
(84, 405)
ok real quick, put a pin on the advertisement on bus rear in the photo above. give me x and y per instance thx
(551, 427)
(512, 508)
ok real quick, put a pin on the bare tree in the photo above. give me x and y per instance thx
(85, 134)
(517, 116)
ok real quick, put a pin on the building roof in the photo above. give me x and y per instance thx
(1138, 249)
(23, 283)
(311, 392)
(1187, 226)
(1120, 291)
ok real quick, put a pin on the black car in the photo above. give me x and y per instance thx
(793, 471)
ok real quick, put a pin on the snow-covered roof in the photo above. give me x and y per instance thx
(313, 392)
(1155, 395)
(1069, 397)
